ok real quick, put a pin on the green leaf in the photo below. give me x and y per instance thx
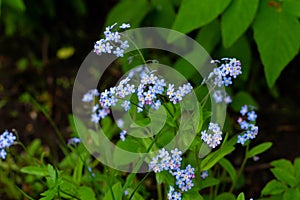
(123, 12)
(241, 196)
(291, 193)
(86, 193)
(164, 177)
(163, 13)
(277, 35)
(226, 164)
(192, 195)
(225, 196)
(242, 98)
(214, 157)
(194, 13)
(292, 7)
(16, 4)
(272, 188)
(209, 36)
(259, 149)
(297, 168)
(236, 20)
(34, 170)
(284, 176)
(284, 164)
(208, 182)
(117, 192)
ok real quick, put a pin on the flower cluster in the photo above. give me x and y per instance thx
(220, 97)
(149, 92)
(6, 140)
(213, 136)
(228, 68)
(112, 42)
(247, 123)
(172, 162)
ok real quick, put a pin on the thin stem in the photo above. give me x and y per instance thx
(240, 170)
(137, 187)
(159, 192)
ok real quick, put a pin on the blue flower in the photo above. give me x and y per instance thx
(74, 141)
(204, 174)
(123, 134)
(6, 140)
(251, 116)
(126, 105)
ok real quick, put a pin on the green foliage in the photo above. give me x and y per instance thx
(277, 34)
(286, 185)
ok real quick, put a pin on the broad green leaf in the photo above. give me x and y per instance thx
(214, 157)
(163, 13)
(291, 193)
(117, 192)
(242, 98)
(86, 193)
(272, 188)
(123, 12)
(241, 196)
(277, 35)
(34, 170)
(297, 168)
(284, 176)
(292, 7)
(16, 4)
(259, 149)
(192, 195)
(226, 164)
(284, 164)
(209, 36)
(208, 182)
(225, 196)
(236, 20)
(193, 14)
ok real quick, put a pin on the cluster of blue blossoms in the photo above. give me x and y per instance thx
(213, 136)
(112, 42)
(172, 162)
(6, 140)
(247, 123)
(149, 92)
(227, 69)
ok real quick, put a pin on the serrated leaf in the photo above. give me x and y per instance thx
(34, 170)
(236, 20)
(193, 14)
(277, 35)
(259, 149)
(241, 196)
(214, 157)
(284, 176)
(209, 36)
(272, 188)
(284, 164)
(226, 164)
(123, 12)
(291, 193)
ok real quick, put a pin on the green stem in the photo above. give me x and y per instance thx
(137, 187)
(159, 192)
(240, 170)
